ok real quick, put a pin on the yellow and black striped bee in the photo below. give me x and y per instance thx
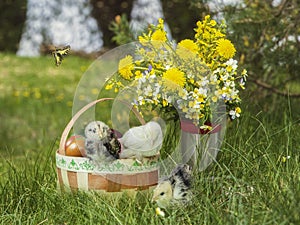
(59, 54)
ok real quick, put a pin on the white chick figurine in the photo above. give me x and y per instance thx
(142, 141)
(101, 144)
(174, 189)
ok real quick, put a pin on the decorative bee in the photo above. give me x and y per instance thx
(59, 54)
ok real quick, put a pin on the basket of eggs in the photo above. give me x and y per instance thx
(104, 160)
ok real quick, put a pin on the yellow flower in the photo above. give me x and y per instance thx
(191, 80)
(206, 35)
(83, 68)
(214, 98)
(187, 49)
(159, 35)
(26, 94)
(201, 98)
(284, 159)
(143, 40)
(60, 97)
(160, 23)
(159, 212)
(82, 97)
(191, 104)
(189, 44)
(206, 127)
(95, 91)
(174, 78)
(225, 48)
(16, 93)
(213, 23)
(37, 94)
(207, 17)
(109, 86)
(138, 74)
(125, 67)
(238, 110)
(118, 19)
(164, 102)
(184, 109)
(244, 73)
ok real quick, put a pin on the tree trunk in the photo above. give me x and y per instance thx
(59, 22)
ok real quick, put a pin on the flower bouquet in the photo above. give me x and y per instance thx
(187, 81)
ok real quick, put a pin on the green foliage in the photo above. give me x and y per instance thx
(121, 28)
(182, 15)
(267, 40)
(171, 140)
(105, 11)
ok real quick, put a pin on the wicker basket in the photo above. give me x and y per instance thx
(77, 173)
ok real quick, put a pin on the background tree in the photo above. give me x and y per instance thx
(59, 22)
(267, 36)
(145, 12)
(105, 12)
(12, 19)
(265, 33)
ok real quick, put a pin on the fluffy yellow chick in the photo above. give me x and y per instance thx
(174, 189)
(163, 194)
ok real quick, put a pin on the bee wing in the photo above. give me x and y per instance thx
(64, 50)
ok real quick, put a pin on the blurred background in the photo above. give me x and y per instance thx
(265, 33)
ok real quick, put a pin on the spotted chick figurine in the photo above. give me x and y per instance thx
(174, 189)
(101, 143)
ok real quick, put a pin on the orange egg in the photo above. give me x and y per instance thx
(75, 146)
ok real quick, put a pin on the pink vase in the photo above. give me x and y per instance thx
(190, 127)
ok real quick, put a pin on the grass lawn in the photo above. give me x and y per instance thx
(256, 179)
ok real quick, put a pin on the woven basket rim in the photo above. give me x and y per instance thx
(118, 166)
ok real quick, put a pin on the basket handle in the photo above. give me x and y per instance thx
(69, 126)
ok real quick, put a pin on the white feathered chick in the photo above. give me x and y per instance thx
(142, 141)
(101, 144)
(174, 189)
